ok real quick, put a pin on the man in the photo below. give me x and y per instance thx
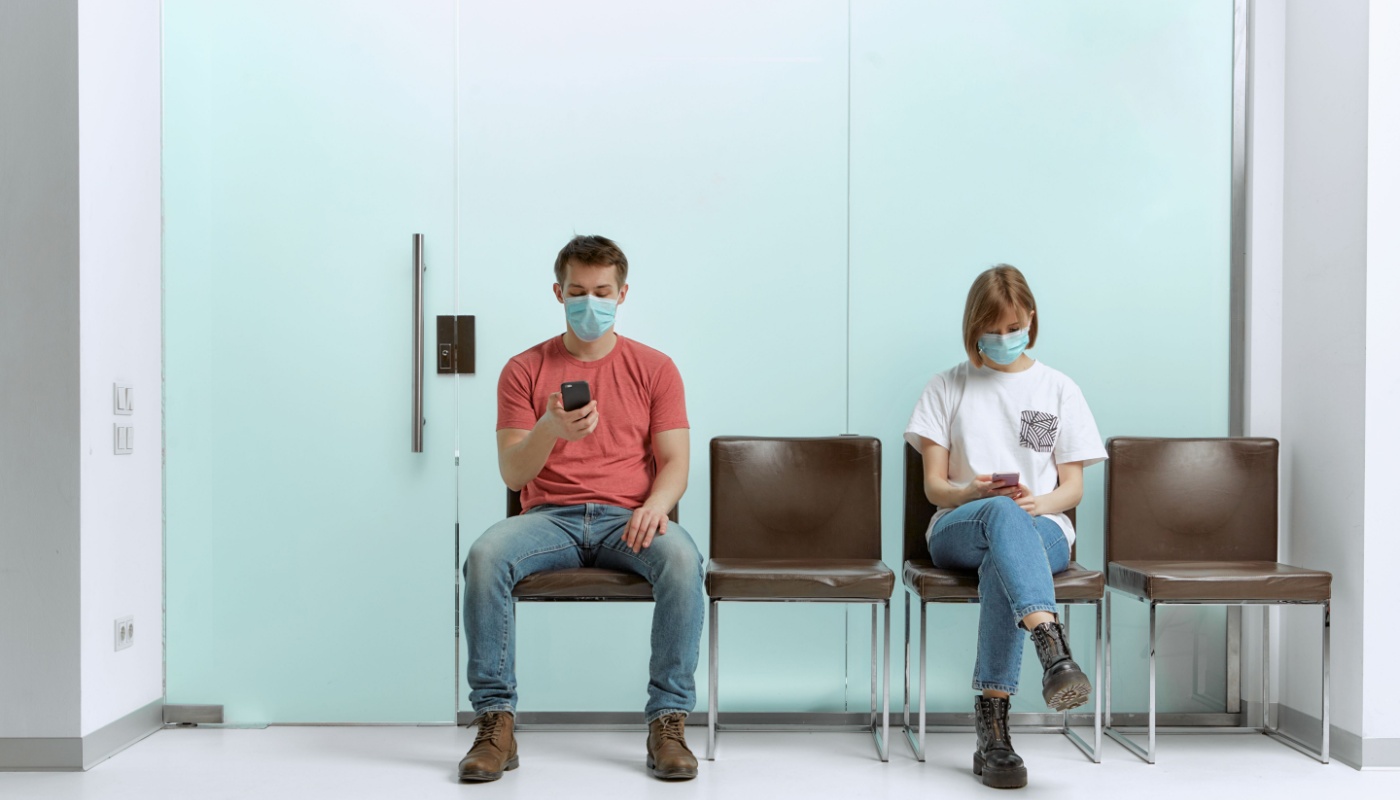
(596, 485)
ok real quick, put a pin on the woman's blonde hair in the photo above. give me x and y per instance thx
(997, 290)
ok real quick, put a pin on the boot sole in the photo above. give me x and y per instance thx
(486, 777)
(998, 778)
(673, 775)
(1067, 690)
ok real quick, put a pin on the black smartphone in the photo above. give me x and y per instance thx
(574, 394)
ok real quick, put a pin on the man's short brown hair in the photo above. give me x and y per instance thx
(997, 290)
(593, 251)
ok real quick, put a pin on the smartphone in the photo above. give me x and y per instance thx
(1007, 478)
(574, 395)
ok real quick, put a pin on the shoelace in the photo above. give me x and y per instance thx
(488, 727)
(672, 727)
(998, 738)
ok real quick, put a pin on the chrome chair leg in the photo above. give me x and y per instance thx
(714, 679)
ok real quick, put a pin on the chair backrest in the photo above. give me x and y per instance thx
(795, 498)
(918, 510)
(513, 506)
(1191, 499)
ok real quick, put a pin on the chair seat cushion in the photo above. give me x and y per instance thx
(799, 579)
(585, 583)
(932, 583)
(1219, 580)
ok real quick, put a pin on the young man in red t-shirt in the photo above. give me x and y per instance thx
(596, 485)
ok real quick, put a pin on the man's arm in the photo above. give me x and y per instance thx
(671, 450)
(522, 454)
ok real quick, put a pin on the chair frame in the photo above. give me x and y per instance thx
(1149, 754)
(1094, 752)
(879, 732)
(513, 509)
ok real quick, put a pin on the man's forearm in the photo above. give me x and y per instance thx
(521, 463)
(669, 485)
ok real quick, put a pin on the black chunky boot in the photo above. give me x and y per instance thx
(994, 760)
(1065, 685)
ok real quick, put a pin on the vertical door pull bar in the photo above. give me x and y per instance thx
(418, 342)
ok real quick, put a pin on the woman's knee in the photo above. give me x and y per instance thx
(1001, 504)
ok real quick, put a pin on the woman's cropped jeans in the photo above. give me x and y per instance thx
(564, 537)
(1015, 555)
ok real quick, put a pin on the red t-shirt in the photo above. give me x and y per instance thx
(639, 395)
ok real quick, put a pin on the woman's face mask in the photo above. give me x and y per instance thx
(1004, 348)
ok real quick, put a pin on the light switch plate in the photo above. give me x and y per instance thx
(121, 398)
(121, 439)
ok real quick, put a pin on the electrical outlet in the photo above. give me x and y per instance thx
(123, 633)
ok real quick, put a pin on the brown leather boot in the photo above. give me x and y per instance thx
(494, 750)
(667, 756)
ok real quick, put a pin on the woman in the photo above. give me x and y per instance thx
(1005, 441)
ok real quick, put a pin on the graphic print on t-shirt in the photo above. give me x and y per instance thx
(1038, 430)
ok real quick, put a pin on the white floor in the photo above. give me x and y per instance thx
(413, 762)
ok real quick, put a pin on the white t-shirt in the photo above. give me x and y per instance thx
(992, 421)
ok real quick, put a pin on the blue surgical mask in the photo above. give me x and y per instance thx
(589, 316)
(1004, 348)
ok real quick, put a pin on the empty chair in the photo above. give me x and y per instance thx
(1195, 522)
(798, 520)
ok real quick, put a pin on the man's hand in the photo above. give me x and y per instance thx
(569, 425)
(647, 523)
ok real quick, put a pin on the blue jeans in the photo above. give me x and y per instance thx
(564, 537)
(1015, 555)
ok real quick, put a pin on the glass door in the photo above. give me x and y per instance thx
(308, 547)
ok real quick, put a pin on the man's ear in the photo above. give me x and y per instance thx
(622, 294)
(559, 293)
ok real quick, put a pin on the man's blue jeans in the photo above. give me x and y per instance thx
(1015, 555)
(564, 537)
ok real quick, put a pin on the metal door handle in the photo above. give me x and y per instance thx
(418, 342)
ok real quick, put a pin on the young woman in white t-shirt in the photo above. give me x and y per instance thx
(1002, 412)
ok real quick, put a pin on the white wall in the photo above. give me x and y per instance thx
(119, 84)
(1382, 693)
(39, 472)
(1264, 281)
(1324, 327)
(80, 223)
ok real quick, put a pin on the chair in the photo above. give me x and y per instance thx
(580, 584)
(798, 520)
(1195, 522)
(1074, 586)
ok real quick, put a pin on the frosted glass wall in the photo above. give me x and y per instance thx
(804, 190)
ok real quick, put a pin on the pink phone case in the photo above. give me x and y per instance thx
(1007, 478)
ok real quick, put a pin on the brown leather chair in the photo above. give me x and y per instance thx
(1074, 586)
(798, 520)
(1195, 522)
(582, 584)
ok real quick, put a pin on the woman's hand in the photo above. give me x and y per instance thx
(1026, 500)
(983, 487)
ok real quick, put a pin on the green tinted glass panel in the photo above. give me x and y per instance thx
(1087, 143)
(709, 140)
(308, 550)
